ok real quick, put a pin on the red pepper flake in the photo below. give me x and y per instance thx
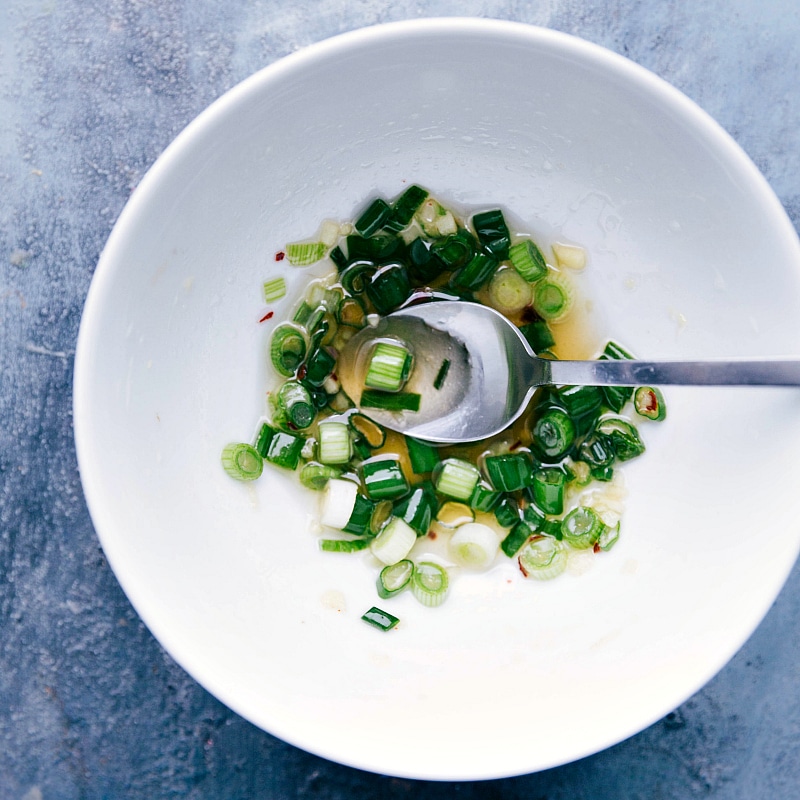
(280, 255)
(515, 446)
(596, 547)
(431, 535)
(302, 372)
(267, 316)
(521, 568)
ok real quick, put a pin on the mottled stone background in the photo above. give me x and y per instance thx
(91, 91)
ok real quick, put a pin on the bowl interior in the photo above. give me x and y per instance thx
(691, 256)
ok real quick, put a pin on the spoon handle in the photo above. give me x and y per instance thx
(730, 372)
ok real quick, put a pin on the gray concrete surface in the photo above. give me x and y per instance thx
(91, 707)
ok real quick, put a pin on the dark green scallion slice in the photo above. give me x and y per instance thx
(284, 449)
(265, 434)
(455, 251)
(538, 335)
(506, 512)
(380, 619)
(548, 490)
(418, 509)
(351, 313)
(492, 232)
(476, 272)
(624, 437)
(616, 396)
(390, 401)
(515, 538)
(360, 516)
(509, 472)
(484, 497)
(423, 456)
(423, 265)
(374, 217)
(338, 257)
(438, 381)
(319, 366)
(355, 275)
(383, 478)
(389, 287)
(404, 208)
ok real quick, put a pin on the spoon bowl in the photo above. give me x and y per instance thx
(492, 371)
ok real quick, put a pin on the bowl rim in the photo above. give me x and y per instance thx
(315, 53)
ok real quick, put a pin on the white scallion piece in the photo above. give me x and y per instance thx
(394, 542)
(329, 232)
(338, 501)
(457, 478)
(474, 545)
(569, 256)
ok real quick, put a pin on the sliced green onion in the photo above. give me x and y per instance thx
(394, 542)
(543, 558)
(509, 292)
(478, 270)
(455, 251)
(390, 401)
(582, 527)
(457, 478)
(492, 232)
(473, 545)
(484, 498)
(351, 313)
(552, 298)
(381, 514)
(609, 537)
(335, 446)
(528, 260)
(616, 396)
(515, 538)
(369, 430)
(649, 402)
(538, 335)
(338, 502)
(343, 545)
(380, 619)
(296, 401)
(374, 217)
(506, 512)
(319, 366)
(429, 583)
(285, 449)
(423, 456)
(404, 208)
(418, 508)
(274, 289)
(288, 348)
(423, 265)
(596, 451)
(535, 519)
(548, 490)
(394, 578)
(265, 434)
(360, 516)
(316, 476)
(554, 433)
(584, 404)
(624, 437)
(438, 381)
(388, 287)
(383, 478)
(301, 254)
(389, 366)
(509, 472)
(242, 461)
(355, 275)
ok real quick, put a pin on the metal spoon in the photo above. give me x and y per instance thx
(493, 372)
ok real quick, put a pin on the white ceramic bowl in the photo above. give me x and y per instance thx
(692, 255)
